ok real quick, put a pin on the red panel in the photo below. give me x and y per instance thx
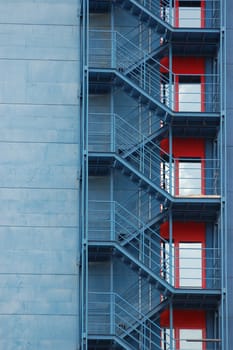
(184, 65)
(164, 68)
(164, 145)
(188, 147)
(190, 231)
(203, 13)
(185, 147)
(188, 65)
(186, 319)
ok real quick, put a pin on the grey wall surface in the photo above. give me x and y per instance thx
(38, 174)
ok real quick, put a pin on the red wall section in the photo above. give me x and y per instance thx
(186, 319)
(185, 147)
(184, 65)
(184, 231)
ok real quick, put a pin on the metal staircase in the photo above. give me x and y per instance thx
(143, 249)
(149, 12)
(142, 159)
(161, 15)
(144, 78)
(116, 61)
(109, 313)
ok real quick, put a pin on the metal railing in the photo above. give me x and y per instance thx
(193, 16)
(147, 205)
(190, 265)
(180, 93)
(145, 39)
(109, 313)
(179, 177)
(145, 297)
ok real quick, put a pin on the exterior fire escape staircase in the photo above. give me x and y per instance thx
(116, 61)
(159, 15)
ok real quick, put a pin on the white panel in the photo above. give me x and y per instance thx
(190, 265)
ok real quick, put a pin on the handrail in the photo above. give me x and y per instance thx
(184, 17)
(140, 36)
(117, 316)
(116, 207)
(150, 301)
(110, 49)
(116, 223)
(178, 176)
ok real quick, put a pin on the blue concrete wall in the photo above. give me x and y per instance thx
(39, 136)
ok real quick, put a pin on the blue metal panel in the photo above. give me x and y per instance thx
(99, 188)
(99, 276)
(124, 277)
(124, 22)
(123, 104)
(100, 20)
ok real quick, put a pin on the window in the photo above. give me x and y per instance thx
(189, 17)
(183, 177)
(187, 331)
(190, 339)
(184, 94)
(190, 265)
(189, 14)
(182, 339)
(182, 264)
(183, 15)
(189, 178)
(189, 97)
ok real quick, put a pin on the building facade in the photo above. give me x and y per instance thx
(39, 146)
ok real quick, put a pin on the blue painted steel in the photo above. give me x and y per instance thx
(125, 79)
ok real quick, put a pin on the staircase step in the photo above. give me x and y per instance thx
(145, 183)
(136, 92)
(135, 264)
(144, 14)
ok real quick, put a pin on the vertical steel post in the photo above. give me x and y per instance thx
(84, 151)
(171, 171)
(170, 12)
(113, 219)
(224, 304)
(171, 327)
(171, 262)
(113, 134)
(114, 61)
(112, 313)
